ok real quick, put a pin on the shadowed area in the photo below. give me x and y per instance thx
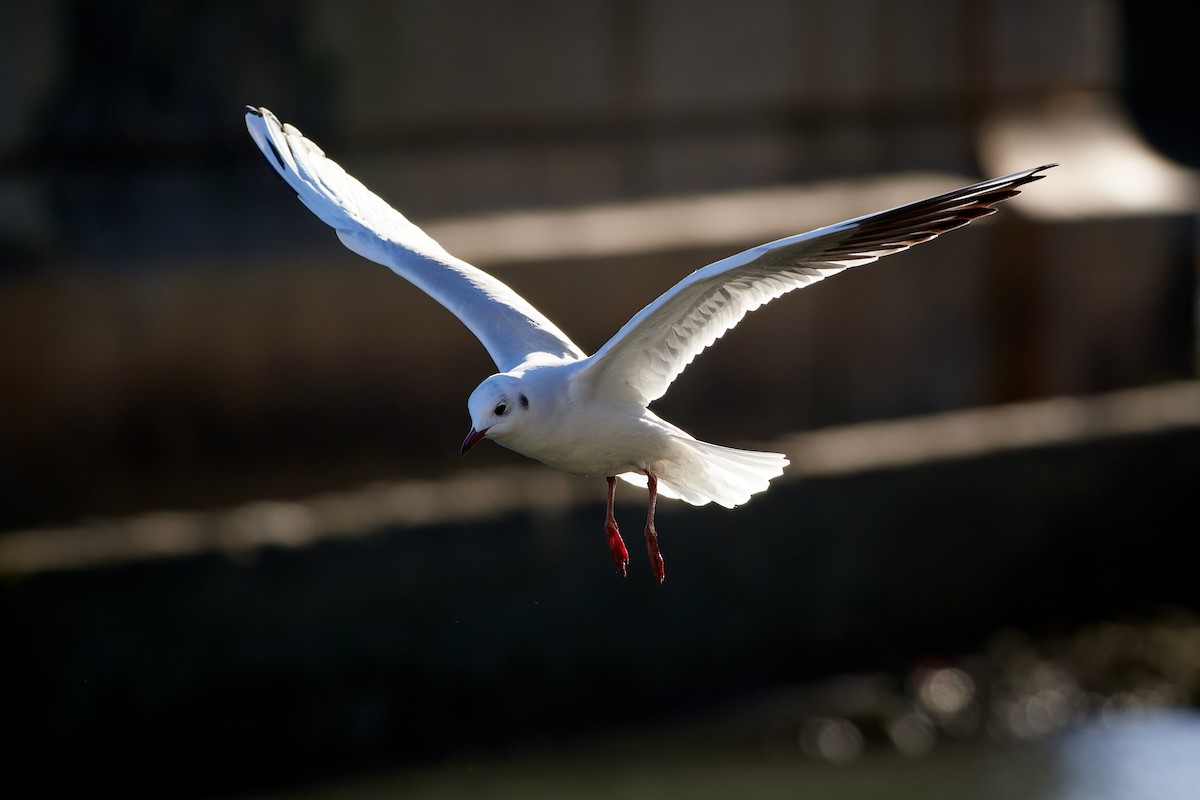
(241, 556)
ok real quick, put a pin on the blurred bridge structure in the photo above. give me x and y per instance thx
(231, 504)
(178, 332)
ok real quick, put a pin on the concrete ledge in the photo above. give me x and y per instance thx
(540, 492)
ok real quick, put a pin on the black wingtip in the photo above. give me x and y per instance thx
(278, 156)
(279, 163)
(1035, 174)
(1022, 179)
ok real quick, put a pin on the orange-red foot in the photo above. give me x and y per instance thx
(656, 559)
(617, 545)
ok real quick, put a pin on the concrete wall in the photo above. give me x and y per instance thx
(175, 330)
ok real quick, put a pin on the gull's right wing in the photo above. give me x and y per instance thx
(508, 326)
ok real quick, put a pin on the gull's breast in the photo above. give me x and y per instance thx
(597, 439)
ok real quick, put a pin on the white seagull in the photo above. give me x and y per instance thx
(588, 415)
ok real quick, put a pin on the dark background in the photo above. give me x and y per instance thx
(179, 337)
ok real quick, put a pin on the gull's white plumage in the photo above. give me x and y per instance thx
(588, 414)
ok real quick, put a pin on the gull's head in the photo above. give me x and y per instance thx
(499, 408)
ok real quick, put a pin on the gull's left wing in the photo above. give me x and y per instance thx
(649, 352)
(508, 326)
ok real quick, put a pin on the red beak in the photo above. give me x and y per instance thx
(472, 439)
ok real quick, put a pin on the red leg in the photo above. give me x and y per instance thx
(615, 543)
(656, 559)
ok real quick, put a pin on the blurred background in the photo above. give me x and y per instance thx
(239, 552)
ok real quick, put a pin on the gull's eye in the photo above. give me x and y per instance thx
(501, 409)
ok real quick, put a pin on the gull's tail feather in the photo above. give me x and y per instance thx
(700, 473)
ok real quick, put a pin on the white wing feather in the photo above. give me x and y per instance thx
(639, 363)
(509, 327)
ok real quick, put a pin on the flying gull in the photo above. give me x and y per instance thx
(589, 415)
